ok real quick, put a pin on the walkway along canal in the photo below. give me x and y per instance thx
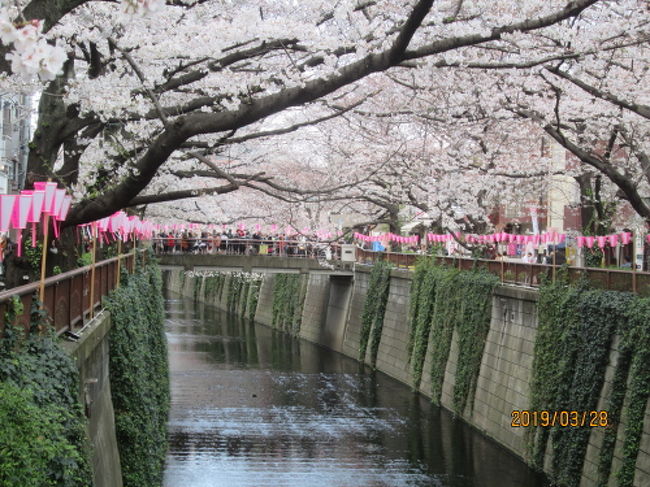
(254, 407)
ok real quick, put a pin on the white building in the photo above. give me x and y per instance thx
(15, 134)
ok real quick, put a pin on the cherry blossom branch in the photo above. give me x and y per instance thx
(143, 80)
(572, 9)
(182, 194)
(639, 109)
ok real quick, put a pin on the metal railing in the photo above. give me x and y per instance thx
(67, 298)
(245, 246)
(523, 274)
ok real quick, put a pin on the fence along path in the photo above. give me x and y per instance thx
(67, 298)
(68, 295)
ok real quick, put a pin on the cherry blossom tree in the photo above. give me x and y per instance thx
(192, 83)
(583, 85)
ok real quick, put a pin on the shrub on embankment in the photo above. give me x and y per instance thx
(43, 434)
(577, 327)
(139, 376)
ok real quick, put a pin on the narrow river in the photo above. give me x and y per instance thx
(252, 407)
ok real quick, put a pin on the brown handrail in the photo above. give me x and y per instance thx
(524, 274)
(67, 295)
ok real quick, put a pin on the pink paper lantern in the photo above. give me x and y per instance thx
(626, 237)
(38, 198)
(59, 195)
(590, 241)
(602, 241)
(104, 222)
(19, 218)
(21, 211)
(613, 240)
(7, 203)
(580, 241)
(50, 191)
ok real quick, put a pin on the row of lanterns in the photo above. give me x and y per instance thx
(601, 241)
(45, 201)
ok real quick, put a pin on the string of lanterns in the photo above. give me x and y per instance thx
(35, 206)
(601, 241)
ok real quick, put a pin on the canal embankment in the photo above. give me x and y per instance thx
(511, 372)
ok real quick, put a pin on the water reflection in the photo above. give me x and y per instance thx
(252, 407)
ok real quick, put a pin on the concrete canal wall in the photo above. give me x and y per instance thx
(331, 315)
(91, 356)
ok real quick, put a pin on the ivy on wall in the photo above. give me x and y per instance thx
(242, 291)
(213, 287)
(636, 337)
(443, 300)
(235, 285)
(420, 316)
(577, 326)
(374, 308)
(197, 288)
(475, 290)
(139, 376)
(447, 301)
(43, 436)
(253, 296)
(289, 292)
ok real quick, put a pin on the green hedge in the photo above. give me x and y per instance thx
(374, 309)
(139, 376)
(43, 435)
(577, 326)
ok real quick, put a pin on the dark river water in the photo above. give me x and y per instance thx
(252, 407)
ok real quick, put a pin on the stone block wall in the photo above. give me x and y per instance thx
(506, 367)
(352, 338)
(91, 354)
(314, 311)
(392, 357)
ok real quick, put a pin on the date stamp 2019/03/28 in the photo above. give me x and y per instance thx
(523, 418)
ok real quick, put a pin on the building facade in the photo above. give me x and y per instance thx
(15, 134)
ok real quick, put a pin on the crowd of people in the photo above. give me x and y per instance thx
(243, 242)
